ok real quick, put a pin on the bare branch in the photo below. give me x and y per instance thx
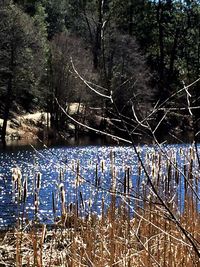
(91, 128)
(86, 83)
(188, 98)
(159, 123)
(137, 120)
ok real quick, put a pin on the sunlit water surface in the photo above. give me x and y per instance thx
(58, 167)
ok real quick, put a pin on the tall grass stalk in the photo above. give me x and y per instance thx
(132, 229)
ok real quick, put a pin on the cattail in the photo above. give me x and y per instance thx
(19, 179)
(185, 180)
(128, 180)
(82, 202)
(102, 209)
(70, 207)
(177, 174)
(16, 182)
(13, 175)
(73, 165)
(38, 181)
(25, 187)
(78, 180)
(190, 174)
(153, 171)
(43, 234)
(114, 180)
(169, 176)
(62, 193)
(96, 175)
(78, 168)
(36, 202)
(90, 202)
(125, 182)
(61, 176)
(54, 205)
(62, 190)
(159, 169)
(111, 157)
(99, 181)
(102, 166)
(192, 153)
(139, 169)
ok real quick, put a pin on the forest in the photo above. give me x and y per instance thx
(144, 54)
(125, 72)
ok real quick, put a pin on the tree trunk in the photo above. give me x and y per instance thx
(161, 39)
(173, 54)
(130, 14)
(97, 41)
(8, 96)
(6, 111)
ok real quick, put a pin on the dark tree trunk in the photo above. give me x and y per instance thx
(130, 14)
(7, 110)
(161, 39)
(97, 41)
(9, 97)
(173, 54)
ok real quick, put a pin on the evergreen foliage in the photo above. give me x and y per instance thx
(22, 61)
(141, 50)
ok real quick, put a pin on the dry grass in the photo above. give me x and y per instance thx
(131, 232)
(147, 240)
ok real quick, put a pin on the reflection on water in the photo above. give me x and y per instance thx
(67, 141)
(86, 176)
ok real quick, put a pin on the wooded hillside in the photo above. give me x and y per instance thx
(141, 52)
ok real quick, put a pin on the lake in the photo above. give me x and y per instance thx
(35, 183)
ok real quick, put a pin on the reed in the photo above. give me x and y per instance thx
(132, 229)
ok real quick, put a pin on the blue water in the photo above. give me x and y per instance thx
(58, 167)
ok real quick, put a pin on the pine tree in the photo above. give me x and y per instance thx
(21, 61)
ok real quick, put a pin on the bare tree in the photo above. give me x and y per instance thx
(146, 124)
